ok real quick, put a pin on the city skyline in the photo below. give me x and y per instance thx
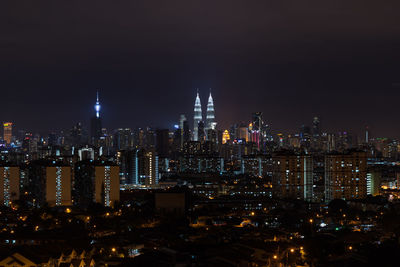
(199, 133)
(86, 123)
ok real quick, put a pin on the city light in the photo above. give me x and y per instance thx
(291, 159)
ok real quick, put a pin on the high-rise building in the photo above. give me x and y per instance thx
(225, 137)
(242, 132)
(256, 129)
(9, 184)
(210, 118)
(182, 121)
(150, 168)
(367, 135)
(162, 142)
(305, 136)
(293, 175)
(50, 182)
(201, 131)
(95, 124)
(58, 185)
(129, 166)
(96, 182)
(374, 178)
(123, 139)
(198, 116)
(186, 132)
(7, 134)
(316, 133)
(76, 135)
(316, 127)
(145, 167)
(106, 187)
(346, 175)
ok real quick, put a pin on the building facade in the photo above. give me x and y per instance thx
(346, 175)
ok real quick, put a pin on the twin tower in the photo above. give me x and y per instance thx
(199, 128)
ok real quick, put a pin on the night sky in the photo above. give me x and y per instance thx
(293, 60)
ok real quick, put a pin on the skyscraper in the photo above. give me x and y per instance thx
(123, 139)
(197, 117)
(210, 118)
(162, 142)
(256, 128)
(7, 132)
(201, 135)
(316, 133)
(145, 167)
(182, 124)
(95, 125)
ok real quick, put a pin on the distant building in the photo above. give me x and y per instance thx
(76, 136)
(86, 153)
(201, 131)
(162, 142)
(256, 128)
(197, 117)
(184, 130)
(7, 134)
(148, 168)
(140, 166)
(346, 175)
(201, 164)
(9, 184)
(225, 137)
(123, 139)
(210, 117)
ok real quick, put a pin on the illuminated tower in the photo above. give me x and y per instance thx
(7, 132)
(210, 119)
(197, 117)
(95, 125)
(97, 107)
